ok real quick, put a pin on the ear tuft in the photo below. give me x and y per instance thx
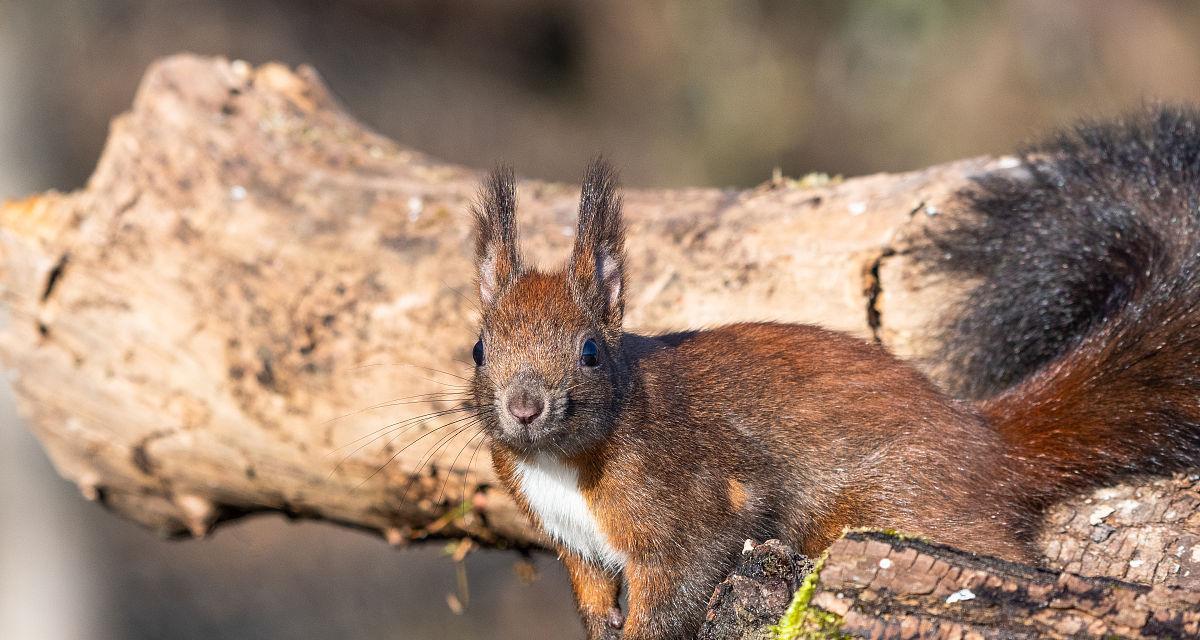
(497, 257)
(597, 266)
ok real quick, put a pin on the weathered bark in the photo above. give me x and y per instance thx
(251, 281)
(884, 586)
(881, 585)
(1146, 532)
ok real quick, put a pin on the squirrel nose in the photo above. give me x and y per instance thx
(525, 407)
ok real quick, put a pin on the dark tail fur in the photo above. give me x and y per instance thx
(1083, 336)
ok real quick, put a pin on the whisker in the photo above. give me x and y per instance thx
(470, 464)
(436, 396)
(405, 447)
(432, 414)
(429, 457)
(453, 462)
(470, 300)
(394, 427)
(406, 364)
(397, 453)
(448, 385)
(575, 386)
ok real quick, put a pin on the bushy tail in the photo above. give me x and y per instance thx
(1083, 338)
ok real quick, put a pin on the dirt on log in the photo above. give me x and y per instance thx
(258, 304)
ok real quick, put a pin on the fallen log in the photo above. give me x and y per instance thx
(248, 265)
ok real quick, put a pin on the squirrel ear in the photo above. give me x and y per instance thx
(496, 255)
(597, 267)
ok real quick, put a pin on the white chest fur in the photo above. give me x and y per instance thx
(552, 490)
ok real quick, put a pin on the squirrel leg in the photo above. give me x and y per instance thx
(668, 603)
(596, 596)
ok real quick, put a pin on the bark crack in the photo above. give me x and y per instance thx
(139, 454)
(873, 285)
(873, 289)
(55, 275)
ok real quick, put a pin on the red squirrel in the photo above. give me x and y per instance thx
(649, 460)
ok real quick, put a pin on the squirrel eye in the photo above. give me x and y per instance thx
(477, 353)
(588, 356)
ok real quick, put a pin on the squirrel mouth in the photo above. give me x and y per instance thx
(530, 438)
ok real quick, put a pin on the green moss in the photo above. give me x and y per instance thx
(804, 622)
(808, 181)
(814, 180)
(892, 533)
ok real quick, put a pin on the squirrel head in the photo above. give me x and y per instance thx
(548, 354)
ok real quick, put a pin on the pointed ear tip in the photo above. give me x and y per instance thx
(501, 177)
(601, 173)
(496, 197)
(601, 164)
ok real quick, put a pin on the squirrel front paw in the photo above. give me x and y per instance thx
(607, 627)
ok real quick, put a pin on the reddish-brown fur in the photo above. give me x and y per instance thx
(687, 444)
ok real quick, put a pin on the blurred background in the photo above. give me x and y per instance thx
(713, 93)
